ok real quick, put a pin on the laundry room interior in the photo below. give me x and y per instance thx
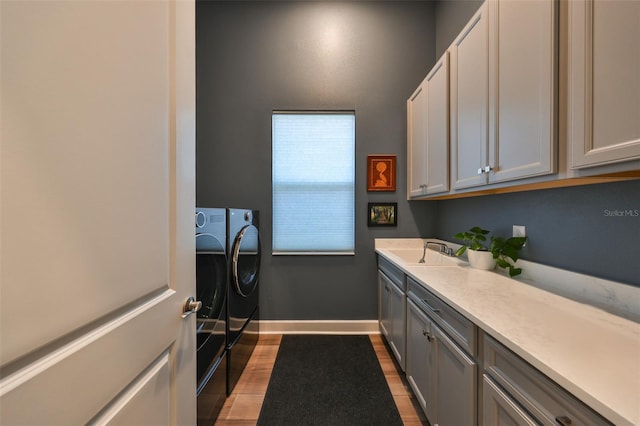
(336, 212)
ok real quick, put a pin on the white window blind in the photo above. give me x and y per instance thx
(313, 178)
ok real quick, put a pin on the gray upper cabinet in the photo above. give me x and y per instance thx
(438, 127)
(470, 102)
(604, 89)
(522, 89)
(428, 133)
(504, 94)
(417, 142)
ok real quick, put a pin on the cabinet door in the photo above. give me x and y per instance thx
(420, 359)
(522, 89)
(469, 55)
(417, 142)
(500, 410)
(384, 290)
(456, 383)
(543, 399)
(604, 91)
(398, 316)
(437, 165)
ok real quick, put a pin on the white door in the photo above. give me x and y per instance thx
(97, 203)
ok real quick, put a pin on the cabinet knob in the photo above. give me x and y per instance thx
(564, 420)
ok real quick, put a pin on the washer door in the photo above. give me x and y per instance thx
(245, 260)
(211, 282)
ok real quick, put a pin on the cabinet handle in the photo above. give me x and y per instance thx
(485, 169)
(564, 420)
(427, 334)
(437, 311)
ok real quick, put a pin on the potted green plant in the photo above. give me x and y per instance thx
(501, 251)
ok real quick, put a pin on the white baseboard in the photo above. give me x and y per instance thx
(318, 327)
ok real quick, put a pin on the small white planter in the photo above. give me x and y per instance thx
(481, 260)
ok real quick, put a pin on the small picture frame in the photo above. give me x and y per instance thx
(382, 214)
(381, 173)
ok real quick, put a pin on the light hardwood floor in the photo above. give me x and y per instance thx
(242, 408)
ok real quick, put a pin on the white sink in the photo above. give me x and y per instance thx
(411, 256)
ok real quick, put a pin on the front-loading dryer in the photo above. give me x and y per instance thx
(211, 289)
(243, 250)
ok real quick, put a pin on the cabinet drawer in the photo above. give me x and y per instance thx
(392, 272)
(461, 330)
(546, 401)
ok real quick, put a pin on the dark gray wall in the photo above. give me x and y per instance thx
(451, 17)
(255, 57)
(593, 229)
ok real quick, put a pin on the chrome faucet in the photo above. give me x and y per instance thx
(444, 249)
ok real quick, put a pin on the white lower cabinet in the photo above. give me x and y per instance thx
(420, 359)
(499, 409)
(392, 309)
(514, 392)
(440, 351)
(384, 295)
(456, 383)
(439, 371)
(397, 314)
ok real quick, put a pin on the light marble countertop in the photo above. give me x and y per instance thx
(593, 354)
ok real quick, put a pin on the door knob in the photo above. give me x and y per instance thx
(191, 306)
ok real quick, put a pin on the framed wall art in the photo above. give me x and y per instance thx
(381, 173)
(382, 214)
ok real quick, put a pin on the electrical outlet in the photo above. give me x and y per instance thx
(519, 231)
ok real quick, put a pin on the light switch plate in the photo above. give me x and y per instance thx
(519, 231)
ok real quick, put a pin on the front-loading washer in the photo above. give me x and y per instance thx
(211, 290)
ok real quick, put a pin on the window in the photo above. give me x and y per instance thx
(313, 178)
